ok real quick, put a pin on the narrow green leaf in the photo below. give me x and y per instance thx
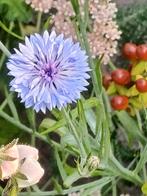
(11, 104)
(60, 165)
(47, 23)
(99, 183)
(99, 75)
(83, 126)
(89, 103)
(57, 186)
(76, 7)
(122, 172)
(142, 161)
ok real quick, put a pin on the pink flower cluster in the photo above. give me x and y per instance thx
(62, 19)
(104, 34)
(20, 159)
(40, 5)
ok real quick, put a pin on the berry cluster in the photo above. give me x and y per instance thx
(128, 88)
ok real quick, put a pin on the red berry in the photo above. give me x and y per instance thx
(119, 102)
(141, 85)
(107, 79)
(129, 50)
(142, 52)
(121, 76)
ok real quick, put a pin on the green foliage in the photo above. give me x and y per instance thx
(75, 5)
(7, 132)
(131, 127)
(144, 188)
(132, 21)
(13, 10)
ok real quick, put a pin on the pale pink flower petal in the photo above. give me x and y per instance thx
(40, 5)
(8, 168)
(26, 151)
(61, 20)
(32, 170)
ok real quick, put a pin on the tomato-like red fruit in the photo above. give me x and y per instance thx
(121, 76)
(142, 52)
(129, 50)
(119, 102)
(107, 79)
(141, 85)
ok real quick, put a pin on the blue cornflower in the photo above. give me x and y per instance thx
(49, 71)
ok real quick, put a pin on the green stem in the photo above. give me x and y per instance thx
(21, 29)
(4, 49)
(92, 65)
(144, 173)
(97, 84)
(86, 13)
(11, 104)
(123, 172)
(6, 46)
(32, 120)
(105, 193)
(39, 17)
(111, 64)
(21, 126)
(9, 31)
(3, 105)
(83, 28)
(75, 134)
(114, 189)
(139, 120)
(71, 179)
(98, 183)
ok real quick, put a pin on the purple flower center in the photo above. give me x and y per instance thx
(48, 73)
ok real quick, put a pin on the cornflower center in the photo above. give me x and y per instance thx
(48, 72)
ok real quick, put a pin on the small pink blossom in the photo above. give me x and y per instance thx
(20, 159)
(30, 167)
(26, 151)
(33, 172)
(8, 167)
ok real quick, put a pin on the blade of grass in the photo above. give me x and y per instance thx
(11, 104)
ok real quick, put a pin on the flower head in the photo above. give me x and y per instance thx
(40, 5)
(49, 71)
(93, 162)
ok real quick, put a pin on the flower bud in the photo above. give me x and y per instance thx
(93, 162)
